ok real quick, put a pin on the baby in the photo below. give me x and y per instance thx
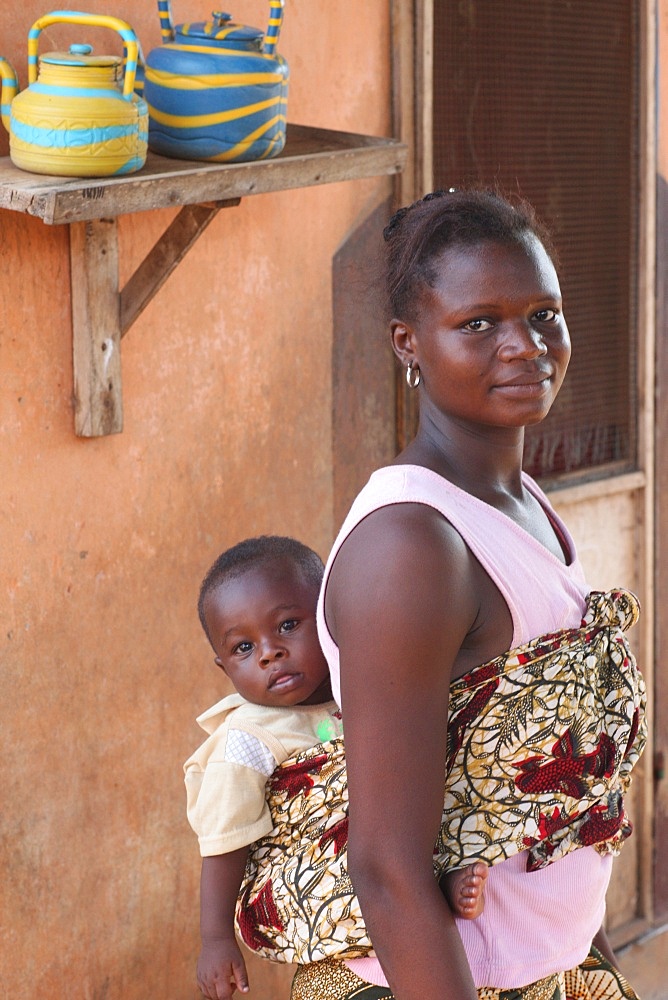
(257, 606)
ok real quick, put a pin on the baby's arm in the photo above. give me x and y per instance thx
(221, 968)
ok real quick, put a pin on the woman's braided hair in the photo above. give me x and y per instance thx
(417, 234)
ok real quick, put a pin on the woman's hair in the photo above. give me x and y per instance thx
(255, 553)
(418, 234)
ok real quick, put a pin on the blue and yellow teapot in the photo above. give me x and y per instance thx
(79, 116)
(217, 90)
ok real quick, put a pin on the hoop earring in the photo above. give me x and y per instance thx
(412, 376)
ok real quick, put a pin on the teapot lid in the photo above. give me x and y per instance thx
(79, 55)
(223, 31)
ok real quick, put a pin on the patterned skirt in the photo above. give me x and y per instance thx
(595, 979)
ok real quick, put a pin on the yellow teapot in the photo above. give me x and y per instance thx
(79, 116)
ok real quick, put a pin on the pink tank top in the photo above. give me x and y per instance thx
(533, 924)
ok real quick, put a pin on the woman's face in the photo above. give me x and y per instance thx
(490, 339)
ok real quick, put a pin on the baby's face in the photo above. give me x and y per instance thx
(263, 630)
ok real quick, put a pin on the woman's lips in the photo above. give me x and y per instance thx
(526, 385)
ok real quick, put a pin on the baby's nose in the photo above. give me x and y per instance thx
(271, 651)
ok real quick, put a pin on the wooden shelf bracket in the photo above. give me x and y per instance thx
(102, 313)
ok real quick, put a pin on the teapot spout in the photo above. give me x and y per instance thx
(10, 88)
(166, 23)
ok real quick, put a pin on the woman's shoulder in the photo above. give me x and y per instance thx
(398, 497)
(394, 496)
(397, 522)
(402, 483)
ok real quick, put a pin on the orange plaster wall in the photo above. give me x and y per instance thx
(227, 400)
(662, 62)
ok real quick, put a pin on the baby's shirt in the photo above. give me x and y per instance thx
(226, 777)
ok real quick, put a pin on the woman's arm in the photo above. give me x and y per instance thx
(602, 943)
(400, 600)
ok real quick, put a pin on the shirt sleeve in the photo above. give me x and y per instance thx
(225, 799)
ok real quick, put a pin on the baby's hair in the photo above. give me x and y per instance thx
(254, 553)
(419, 233)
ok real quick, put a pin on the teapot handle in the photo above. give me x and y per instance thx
(166, 23)
(94, 20)
(10, 88)
(274, 27)
(270, 38)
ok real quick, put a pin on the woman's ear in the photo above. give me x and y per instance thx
(402, 341)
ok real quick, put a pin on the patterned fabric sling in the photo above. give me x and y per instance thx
(594, 979)
(541, 745)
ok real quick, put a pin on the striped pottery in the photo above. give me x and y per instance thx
(217, 90)
(79, 116)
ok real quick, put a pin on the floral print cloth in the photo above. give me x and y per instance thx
(594, 979)
(541, 744)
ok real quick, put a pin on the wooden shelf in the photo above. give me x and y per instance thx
(102, 313)
(311, 156)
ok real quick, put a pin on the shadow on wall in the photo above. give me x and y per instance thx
(363, 367)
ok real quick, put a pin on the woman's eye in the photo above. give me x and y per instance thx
(546, 315)
(289, 625)
(478, 325)
(243, 647)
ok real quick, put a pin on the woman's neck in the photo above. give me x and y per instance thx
(483, 461)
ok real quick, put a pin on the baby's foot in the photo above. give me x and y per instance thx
(464, 890)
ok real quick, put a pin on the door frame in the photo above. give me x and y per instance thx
(412, 75)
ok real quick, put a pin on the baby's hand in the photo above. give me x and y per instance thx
(221, 969)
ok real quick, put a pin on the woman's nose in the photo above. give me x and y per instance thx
(522, 340)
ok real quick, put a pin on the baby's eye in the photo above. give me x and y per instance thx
(288, 625)
(546, 315)
(478, 325)
(243, 647)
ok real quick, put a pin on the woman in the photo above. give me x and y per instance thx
(450, 557)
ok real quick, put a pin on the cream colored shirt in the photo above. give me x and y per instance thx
(226, 777)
